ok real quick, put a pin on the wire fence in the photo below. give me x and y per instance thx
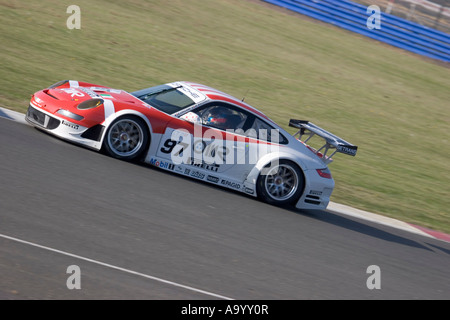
(434, 14)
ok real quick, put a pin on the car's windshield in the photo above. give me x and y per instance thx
(165, 98)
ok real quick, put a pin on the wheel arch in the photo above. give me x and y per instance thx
(255, 173)
(120, 114)
(132, 114)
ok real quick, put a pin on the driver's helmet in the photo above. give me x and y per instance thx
(220, 117)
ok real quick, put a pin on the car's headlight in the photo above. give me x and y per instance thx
(89, 104)
(70, 115)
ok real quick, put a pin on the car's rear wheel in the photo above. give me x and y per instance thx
(127, 138)
(280, 184)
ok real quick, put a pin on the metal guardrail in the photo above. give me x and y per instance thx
(393, 30)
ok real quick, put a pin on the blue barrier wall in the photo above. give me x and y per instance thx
(393, 30)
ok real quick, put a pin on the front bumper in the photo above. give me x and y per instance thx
(61, 128)
(41, 119)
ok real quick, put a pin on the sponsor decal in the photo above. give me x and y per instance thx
(211, 167)
(192, 93)
(249, 190)
(106, 96)
(162, 164)
(70, 125)
(230, 184)
(347, 150)
(106, 90)
(38, 101)
(197, 174)
(73, 92)
(91, 93)
(187, 171)
(212, 179)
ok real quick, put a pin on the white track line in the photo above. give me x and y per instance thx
(116, 268)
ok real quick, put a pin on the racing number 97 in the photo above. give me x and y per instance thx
(170, 144)
(200, 146)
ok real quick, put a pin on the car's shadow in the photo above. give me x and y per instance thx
(349, 223)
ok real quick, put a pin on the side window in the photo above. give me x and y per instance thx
(222, 117)
(263, 131)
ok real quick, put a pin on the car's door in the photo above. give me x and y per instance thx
(210, 137)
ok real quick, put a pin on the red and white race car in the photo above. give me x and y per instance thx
(196, 131)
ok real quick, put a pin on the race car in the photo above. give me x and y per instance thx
(197, 131)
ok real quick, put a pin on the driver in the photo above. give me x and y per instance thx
(221, 118)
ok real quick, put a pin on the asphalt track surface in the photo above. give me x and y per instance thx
(138, 232)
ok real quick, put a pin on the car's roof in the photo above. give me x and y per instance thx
(217, 95)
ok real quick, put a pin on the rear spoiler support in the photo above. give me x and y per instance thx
(332, 142)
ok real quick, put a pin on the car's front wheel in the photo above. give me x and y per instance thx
(126, 138)
(280, 184)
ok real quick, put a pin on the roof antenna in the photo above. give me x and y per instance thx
(245, 95)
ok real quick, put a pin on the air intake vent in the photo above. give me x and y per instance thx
(46, 92)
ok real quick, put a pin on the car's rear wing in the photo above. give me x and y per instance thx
(332, 142)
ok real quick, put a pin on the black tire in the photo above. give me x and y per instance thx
(127, 138)
(281, 184)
